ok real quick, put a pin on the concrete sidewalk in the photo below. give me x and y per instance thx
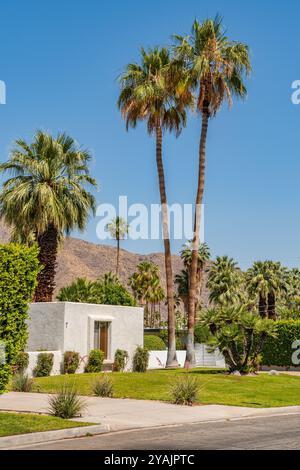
(124, 414)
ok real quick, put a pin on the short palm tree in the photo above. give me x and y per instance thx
(267, 281)
(154, 91)
(225, 283)
(118, 229)
(216, 68)
(46, 198)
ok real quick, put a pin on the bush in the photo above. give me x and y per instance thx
(44, 365)
(106, 291)
(19, 267)
(278, 351)
(21, 363)
(154, 343)
(66, 404)
(140, 360)
(95, 361)
(180, 345)
(185, 390)
(71, 362)
(202, 334)
(121, 359)
(103, 387)
(22, 383)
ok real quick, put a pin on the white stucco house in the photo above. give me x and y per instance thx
(63, 326)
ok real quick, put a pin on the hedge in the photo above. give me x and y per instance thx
(19, 267)
(279, 351)
(154, 343)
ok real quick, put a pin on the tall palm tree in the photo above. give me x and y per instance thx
(216, 67)
(267, 281)
(225, 282)
(154, 91)
(118, 229)
(46, 198)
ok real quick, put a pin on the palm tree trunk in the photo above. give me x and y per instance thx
(172, 358)
(48, 243)
(262, 307)
(118, 257)
(193, 278)
(271, 307)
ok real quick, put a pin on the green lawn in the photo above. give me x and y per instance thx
(215, 387)
(12, 424)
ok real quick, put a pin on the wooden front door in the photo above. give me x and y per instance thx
(101, 337)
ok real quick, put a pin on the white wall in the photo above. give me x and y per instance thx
(158, 359)
(64, 326)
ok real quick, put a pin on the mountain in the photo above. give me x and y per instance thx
(78, 258)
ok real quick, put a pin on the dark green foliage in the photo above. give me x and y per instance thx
(121, 358)
(21, 362)
(180, 344)
(95, 361)
(71, 362)
(140, 360)
(154, 343)
(279, 351)
(44, 365)
(66, 404)
(106, 291)
(202, 334)
(19, 267)
(103, 387)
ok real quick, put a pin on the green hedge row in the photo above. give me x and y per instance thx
(279, 351)
(19, 267)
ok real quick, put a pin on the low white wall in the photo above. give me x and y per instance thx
(158, 359)
(57, 362)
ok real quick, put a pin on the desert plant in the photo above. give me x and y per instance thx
(44, 365)
(185, 390)
(103, 387)
(140, 360)
(121, 359)
(22, 383)
(95, 361)
(66, 404)
(21, 362)
(154, 343)
(71, 362)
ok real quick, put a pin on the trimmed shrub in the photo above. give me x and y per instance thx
(22, 383)
(185, 390)
(44, 365)
(154, 343)
(121, 359)
(278, 351)
(140, 360)
(180, 345)
(66, 404)
(19, 267)
(103, 387)
(21, 362)
(95, 361)
(71, 362)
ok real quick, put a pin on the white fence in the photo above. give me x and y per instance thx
(158, 359)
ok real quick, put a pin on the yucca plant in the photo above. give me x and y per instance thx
(66, 404)
(185, 390)
(103, 387)
(22, 383)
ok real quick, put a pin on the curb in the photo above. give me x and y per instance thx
(40, 437)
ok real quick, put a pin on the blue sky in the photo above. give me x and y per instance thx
(60, 60)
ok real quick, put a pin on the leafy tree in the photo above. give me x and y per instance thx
(106, 291)
(154, 91)
(216, 68)
(46, 198)
(225, 282)
(146, 286)
(118, 229)
(240, 335)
